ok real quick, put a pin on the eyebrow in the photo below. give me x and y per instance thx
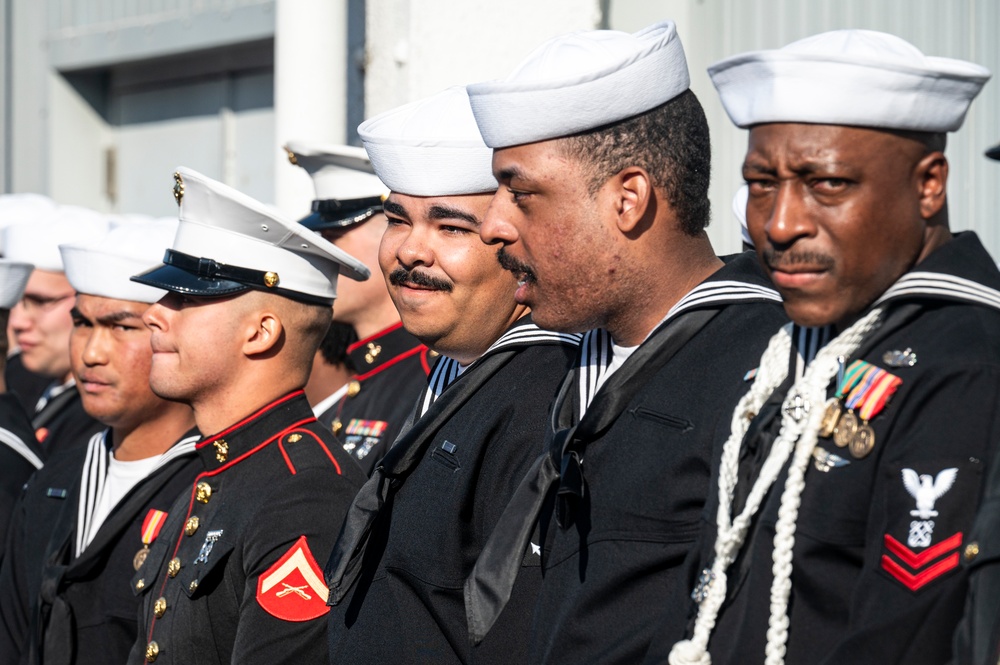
(510, 172)
(112, 318)
(439, 211)
(395, 209)
(118, 317)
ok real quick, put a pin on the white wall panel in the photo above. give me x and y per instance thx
(714, 29)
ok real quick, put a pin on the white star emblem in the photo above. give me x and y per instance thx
(536, 549)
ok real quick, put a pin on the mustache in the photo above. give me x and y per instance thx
(776, 258)
(508, 262)
(403, 277)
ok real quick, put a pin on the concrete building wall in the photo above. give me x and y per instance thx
(419, 47)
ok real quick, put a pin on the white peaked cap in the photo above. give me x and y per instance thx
(38, 242)
(338, 172)
(740, 211)
(228, 243)
(581, 81)
(13, 278)
(430, 148)
(849, 77)
(105, 269)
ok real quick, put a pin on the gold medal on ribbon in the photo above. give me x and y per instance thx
(150, 530)
(846, 428)
(863, 441)
(831, 415)
(140, 557)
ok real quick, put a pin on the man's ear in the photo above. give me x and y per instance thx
(632, 189)
(932, 179)
(263, 333)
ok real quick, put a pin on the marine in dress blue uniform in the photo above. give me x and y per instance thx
(392, 365)
(233, 576)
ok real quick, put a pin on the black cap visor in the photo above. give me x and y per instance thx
(334, 215)
(207, 278)
(994, 152)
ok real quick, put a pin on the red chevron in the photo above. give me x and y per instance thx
(914, 560)
(914, 582)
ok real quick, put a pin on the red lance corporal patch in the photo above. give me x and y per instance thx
(293, 588)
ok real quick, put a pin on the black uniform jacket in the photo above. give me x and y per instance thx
(24, 384)
(63, 424)
(20, 456)
(876, 572)
(408, 606)
(628, 480)
(233, 577)
(977, 640)
(392, 371)
(56, 607)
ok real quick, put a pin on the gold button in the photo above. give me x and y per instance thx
(191, 525)
(270, 279)
(336, 426)
(160, 606)
(140, 585)
(174, 567)
(971, 551)
(203, 492)
(152, 651)
(221, 450)
(294, 438)
(193, 586)
(353, 388)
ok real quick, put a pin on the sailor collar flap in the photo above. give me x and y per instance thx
(959, 271)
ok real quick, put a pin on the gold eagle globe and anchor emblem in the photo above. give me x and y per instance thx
(178, 188)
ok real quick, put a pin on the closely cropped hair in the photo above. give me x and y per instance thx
(671, 142)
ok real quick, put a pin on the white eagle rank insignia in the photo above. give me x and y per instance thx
(293, 589)
(926, 555)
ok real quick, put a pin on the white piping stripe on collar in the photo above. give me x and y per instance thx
(95, 474)
(596, 350)
(521, 334)
(942, 284)
(14, 442)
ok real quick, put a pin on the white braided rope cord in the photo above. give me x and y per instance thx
(797, 438)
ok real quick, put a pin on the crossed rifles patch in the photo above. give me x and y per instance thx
(293, 589)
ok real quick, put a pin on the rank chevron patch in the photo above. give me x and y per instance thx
(926, 566)
(292, 589)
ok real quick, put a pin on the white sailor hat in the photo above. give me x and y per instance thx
(849, 77)
(21, 208)
(37, 242)
(228, 243)
(430, 148)
(581, 81)
(13, 278)
(105, 269)
(740, 212)
(347, 190)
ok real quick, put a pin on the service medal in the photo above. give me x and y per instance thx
(846, 428)
(151, 526)
(831, 415)
(863, 441)
(140, 557)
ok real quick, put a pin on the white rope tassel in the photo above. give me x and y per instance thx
(808, 393)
